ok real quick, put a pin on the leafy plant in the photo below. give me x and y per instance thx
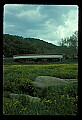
(55, 100)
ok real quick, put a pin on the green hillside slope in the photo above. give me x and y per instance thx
(13, 45)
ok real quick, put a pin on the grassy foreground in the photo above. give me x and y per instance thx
(57, 100)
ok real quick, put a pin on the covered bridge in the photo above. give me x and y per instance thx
(37, 57)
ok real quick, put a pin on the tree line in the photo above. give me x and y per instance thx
(13, 45)
(70, 44)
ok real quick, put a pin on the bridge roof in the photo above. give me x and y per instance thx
(37, 56)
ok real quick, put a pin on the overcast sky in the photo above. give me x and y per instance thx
(50, 23)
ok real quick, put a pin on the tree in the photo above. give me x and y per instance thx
(70, 44)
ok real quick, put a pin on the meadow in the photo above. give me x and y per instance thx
(57, 100)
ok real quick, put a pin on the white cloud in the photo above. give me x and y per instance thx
(40, 21)
(53, 33)
(9, 27)
(72, 19)
(31, 14)
(56, 33)
(13, 6)
(60, 31)
(70, 24)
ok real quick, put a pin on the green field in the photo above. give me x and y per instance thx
(56, 100)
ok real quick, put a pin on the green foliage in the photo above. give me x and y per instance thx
(19, 86)
(56, 100)
(13, 107)
(25, 72)
(13, 45)
(70, 44)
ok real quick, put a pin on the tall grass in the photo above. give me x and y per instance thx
(56, 100)
(32, 71)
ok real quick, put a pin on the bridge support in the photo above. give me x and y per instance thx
(60, 59)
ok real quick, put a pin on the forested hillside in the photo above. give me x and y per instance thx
(13, 45)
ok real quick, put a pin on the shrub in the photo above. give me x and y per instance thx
(11, 106)
(19, 86)
(56, 100)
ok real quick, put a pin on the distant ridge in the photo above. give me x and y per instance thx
(15, 45)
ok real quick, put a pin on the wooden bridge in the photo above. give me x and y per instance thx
(36, 57)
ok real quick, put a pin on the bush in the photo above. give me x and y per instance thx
(55, 100)
(13, 107)
(19, 86)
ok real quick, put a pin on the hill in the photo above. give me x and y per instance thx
(13, 45)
